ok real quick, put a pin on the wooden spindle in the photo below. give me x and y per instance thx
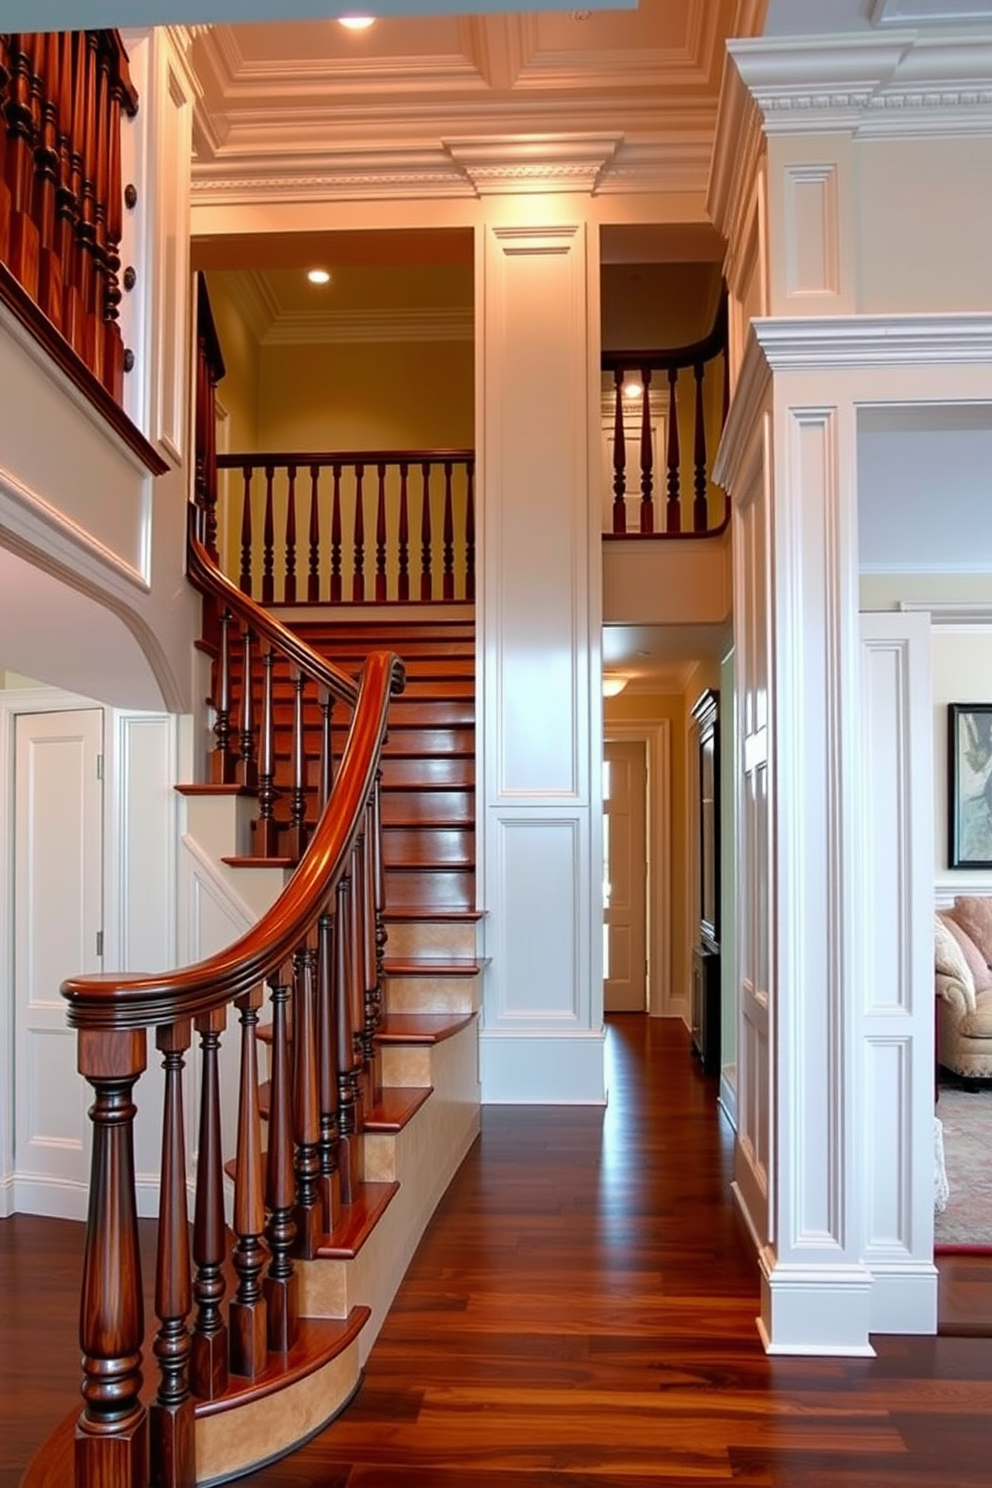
(245, 579)
(247, 1313)
(46, 178)
(700, 474)
(84, 130)
(111, 1445)
(209, 1362)
(289, 576)
(4, 188)
(95, 342)
(373, 994)
(380, 537)
(470, 531)
(23, 238)
(403, 562)
(248, 761)
(357, 990)
(266, 832)
(122, 99)
(426, 539)
(336, 536)
(306, 1107)
(448, 533)
(647, 454)
(327, 1076)
(349, 1142)
(313, 572)
(619, 455)
(68, 200)
(281, 1285)
(170, 1417)
(296, 834)
(358, 572)
(223, 764)
(326, 776)
(673, 510)
(268, 540)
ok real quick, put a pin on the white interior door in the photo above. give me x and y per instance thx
(58, 906)
(625, 886)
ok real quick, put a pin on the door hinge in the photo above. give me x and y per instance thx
(99, 767)
(99, 942)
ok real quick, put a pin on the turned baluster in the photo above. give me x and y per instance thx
(46, 178)
(23, 239)
(247, 1315)
(266, 831)
(380, 538)
(296, 838)
(647, 454)
(249, 764)
(208, 1362)
(313, 573)
(349, 1142)
(306, 1106)
(673, 510)
(170, 1417)
(96, 325)
(326, 777)
(373, 992)
(289, 579)
(268, 540)
(68, 200)
(470, 531)
(403, 580)
(281, 1285)
(84, 134)
(426, 539)
(358, 574)
(327, 1076)
(245, 582)
(700, 519)
(223, 767)
(448, 582)
(619, 455)
(111, 1445)
(357, 983)
(4, 188)
(121, 98)
(336, 537)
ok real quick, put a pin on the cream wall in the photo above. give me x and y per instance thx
(379, 395)
(238, 391)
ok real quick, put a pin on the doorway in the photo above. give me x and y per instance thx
(625, 877)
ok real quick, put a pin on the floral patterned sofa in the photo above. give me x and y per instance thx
(963, 959)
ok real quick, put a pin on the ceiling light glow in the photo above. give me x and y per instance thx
(632, 390)
(613, 684)
(356, 23)
(318, 276)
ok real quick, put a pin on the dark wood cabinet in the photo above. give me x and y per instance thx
(705, 1000)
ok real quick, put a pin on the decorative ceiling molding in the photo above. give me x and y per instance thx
(880, 86)
(523, 164)
(875, 341)
(297, 328)
(659, 165)
(252, 294)
(738, 151)
(931, 13)
(364, 176)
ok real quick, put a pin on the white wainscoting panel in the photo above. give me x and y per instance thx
(543, 975)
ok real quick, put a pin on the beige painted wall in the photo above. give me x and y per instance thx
(238, 391)
(401, 395)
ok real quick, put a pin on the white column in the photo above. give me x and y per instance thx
(539, 623)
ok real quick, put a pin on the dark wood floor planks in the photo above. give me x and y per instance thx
(581, 1314)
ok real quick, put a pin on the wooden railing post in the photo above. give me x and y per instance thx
(313, 570)
(619, 455)
(281, 1285)
(647, 454)
(4, 188)
(673, 512)
(266, 833)
(306, 1106)
(380, 536)
(327, 1062)
(171, 1419)
(23, 237)
(403, 581)
(700, 475)
(349, 1146)
(426, 540)
(358, 572)
(209, 1363)
(289, 570)
(470, 531)
(111, 1449)
(247, 1313)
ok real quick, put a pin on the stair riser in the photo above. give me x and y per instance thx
(431, 940)
(428, 845)
(438, 888)
(415, 808)
(427, 994)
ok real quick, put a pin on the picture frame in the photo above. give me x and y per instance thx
(969, 782)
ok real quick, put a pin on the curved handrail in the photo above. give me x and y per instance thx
(703, 350)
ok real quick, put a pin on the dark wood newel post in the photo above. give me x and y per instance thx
(112, 1431)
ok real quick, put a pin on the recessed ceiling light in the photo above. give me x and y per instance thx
(356, 23)
(318, 276)
(632, 390)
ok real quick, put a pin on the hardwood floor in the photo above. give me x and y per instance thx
(580, 1314)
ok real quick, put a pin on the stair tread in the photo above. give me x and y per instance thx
(200, 788)
(440, 966)
(249, 862)
(422, 1028)
(319, 1341)
(397, 1107)
(439, 914)
(358, 1220)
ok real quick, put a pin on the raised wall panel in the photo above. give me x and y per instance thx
(812, 246)
(887, 1109)
(539, 884)
(170, 253)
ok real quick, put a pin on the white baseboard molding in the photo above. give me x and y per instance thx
(7, 1196)
(815, 1310)
(727, 1098)
(903, 1297)
(52, 1198)
(553, 1069)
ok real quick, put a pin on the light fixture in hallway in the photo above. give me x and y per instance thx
(356, 22)
(318, 276)
(613, 684)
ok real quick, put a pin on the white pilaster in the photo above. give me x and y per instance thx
(539, 620)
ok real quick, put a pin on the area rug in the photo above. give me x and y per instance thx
(967, 1121)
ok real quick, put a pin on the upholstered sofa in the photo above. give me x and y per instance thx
(963, 962)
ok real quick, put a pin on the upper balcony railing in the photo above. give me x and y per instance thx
(62, 96)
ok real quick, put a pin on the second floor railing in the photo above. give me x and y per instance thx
(62, 98)
(371, 526)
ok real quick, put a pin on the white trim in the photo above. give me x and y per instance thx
(859, 341)
(559, 1069)
(655, 734)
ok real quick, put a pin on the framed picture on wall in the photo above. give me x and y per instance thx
(969, 774)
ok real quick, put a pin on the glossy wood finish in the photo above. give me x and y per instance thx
(580, 1314)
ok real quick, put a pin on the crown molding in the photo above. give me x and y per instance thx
(298, 328)
(523, 164)
(738, 150)
(931, 13)
(892, 85)
(874, 341)
(252, 296)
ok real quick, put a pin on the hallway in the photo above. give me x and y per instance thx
(581, 1313)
